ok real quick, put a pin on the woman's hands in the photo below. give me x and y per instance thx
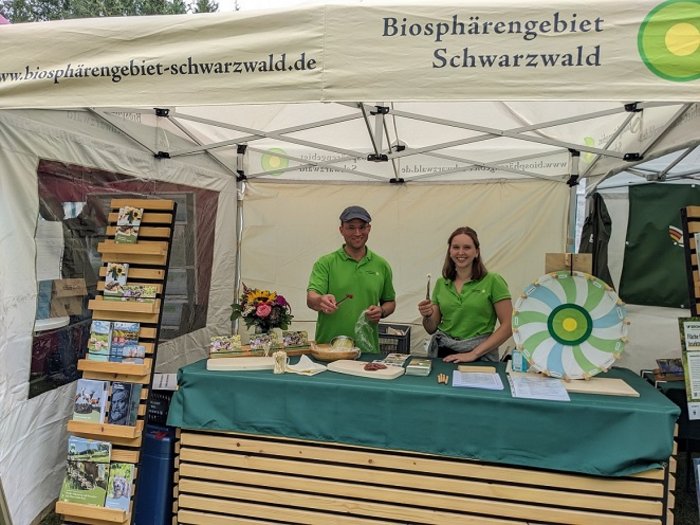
(425, 307)
(462, 357)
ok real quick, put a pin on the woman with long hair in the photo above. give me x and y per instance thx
(466, 303)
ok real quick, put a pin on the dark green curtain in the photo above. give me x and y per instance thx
(595, 237)
(654, 272)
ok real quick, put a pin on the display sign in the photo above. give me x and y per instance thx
(690, 346)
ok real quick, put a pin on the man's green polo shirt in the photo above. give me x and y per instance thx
(471, 312)
(369, 280)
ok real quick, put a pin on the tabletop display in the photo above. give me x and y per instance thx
(570, 324)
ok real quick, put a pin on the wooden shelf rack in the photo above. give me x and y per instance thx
(690, 217)
(148, 264)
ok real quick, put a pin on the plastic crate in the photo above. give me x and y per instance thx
(159, 406)
(395, 343)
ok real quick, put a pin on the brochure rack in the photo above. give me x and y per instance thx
(691, 228)
(148, 260)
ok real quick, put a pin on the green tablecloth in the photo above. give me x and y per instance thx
(592, 434)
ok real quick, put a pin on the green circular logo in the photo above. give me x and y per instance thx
(587, 156)
(569, 324)
(272, 161)
(669, 40)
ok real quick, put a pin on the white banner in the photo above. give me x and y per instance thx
(502, 50)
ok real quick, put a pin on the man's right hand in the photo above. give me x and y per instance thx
(327, 304)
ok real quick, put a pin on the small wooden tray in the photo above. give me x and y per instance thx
(601, 385)
(235, 364)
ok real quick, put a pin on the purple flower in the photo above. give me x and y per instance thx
(281, 301)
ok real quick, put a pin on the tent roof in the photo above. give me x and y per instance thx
(469, 91)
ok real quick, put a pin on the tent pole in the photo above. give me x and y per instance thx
(240, 193)
(574, 159)
(571, 226)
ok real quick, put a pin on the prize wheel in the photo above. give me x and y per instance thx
(570, 325)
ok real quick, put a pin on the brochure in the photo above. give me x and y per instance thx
(488, 381)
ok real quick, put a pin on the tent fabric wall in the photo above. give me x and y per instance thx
(523, 121)
(288, 226)
(32, 431)
(653, 331)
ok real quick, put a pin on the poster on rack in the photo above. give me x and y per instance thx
(690, 346)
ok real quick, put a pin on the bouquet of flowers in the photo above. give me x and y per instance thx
(263, 309)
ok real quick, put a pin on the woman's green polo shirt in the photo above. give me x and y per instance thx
(369, 280)
(471, 312)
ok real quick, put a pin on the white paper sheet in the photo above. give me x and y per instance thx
(538, 387)
(49, 250)
(488, 381)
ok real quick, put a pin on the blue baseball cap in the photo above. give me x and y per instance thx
(355, 212)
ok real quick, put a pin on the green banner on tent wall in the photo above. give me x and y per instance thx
(653, 272)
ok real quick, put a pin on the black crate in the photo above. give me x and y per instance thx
(395, 343)
(159, 406)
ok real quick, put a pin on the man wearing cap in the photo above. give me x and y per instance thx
(352, 270)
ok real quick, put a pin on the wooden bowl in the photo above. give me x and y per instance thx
(323, 352)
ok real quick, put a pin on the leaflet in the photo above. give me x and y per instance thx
(530, 386)
(488, 381)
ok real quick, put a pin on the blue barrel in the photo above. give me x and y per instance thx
(154, 489)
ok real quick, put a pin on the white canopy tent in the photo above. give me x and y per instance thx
(430, 116)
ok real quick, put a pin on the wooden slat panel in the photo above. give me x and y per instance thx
(468, 509)
(125, 456)
(139, 248)
(421, 463)
(158, 287)
(150, 260)
(147, 333)
(135, 307)
(271, 483)
(161, 232)
(99, 514)
(148, 218)
(89, 521)
(126, 316)
(483, 488)
(122, 369)
(139, 273)
(189, 517)
(693, 227)
(147, 204)
(670, 518)
(104, 431)
(126, 441)
(320, 517)
(103, 376)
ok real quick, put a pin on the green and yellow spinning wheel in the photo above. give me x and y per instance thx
(570, 325)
